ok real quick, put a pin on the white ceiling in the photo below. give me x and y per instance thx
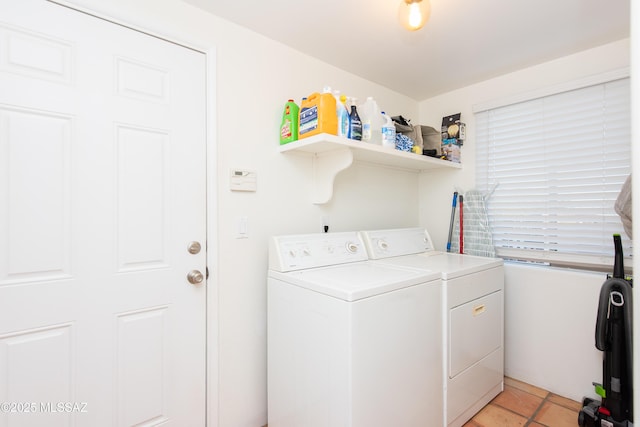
(464, 42)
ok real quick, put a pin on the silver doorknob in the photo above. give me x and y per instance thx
(194, 247)
(195, 277)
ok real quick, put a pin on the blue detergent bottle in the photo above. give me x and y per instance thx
(343, 115)
(355, 124)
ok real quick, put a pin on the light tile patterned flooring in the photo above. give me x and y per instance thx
(523, 405)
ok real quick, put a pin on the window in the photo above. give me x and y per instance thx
(556, 164)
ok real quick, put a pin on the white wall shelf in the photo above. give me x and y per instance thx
(333, 154)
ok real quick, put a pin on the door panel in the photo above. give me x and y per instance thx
(37, 246)
(38, 356)
(142, 366)
(102, 187)
(141, 234)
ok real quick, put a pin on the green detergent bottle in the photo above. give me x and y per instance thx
(289, 126)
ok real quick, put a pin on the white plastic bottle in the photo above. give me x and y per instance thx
(371, 121)
(388, 132)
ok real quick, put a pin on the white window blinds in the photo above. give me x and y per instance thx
(557, 164)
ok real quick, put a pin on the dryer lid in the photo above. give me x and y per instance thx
(457, 265)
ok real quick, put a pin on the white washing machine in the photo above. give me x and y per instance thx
(473, 316)
(351, 343)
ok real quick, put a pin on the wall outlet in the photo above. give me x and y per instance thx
(325, 223)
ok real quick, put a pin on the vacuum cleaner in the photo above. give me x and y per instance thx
(614, 339)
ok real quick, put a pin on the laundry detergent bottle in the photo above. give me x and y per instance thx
(318, 115)
(342, 114)
(355, 125)
(289, 126)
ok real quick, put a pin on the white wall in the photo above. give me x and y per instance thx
(550, 313)
(254, 78)
(550, 317)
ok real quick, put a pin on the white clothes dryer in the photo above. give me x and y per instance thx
(473, 316)
(351, 343)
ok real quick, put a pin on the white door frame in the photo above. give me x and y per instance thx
(136, 20)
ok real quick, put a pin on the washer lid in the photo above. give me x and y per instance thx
(355, 281)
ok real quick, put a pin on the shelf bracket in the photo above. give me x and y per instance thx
(326, 166)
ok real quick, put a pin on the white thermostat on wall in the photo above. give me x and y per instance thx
(242, 180)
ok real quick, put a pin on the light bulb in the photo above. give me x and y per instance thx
(413, 14)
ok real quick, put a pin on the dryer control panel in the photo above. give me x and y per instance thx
(396, 242)
(298, 252)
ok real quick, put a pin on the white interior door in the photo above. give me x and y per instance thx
(102, 189)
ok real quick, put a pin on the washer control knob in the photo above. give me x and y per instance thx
(383, 245)
(352, 247)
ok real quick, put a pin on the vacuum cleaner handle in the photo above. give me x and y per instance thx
(618, 264)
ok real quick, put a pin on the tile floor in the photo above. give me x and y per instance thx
(523, 405)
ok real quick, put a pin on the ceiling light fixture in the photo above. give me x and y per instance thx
(413, 14)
